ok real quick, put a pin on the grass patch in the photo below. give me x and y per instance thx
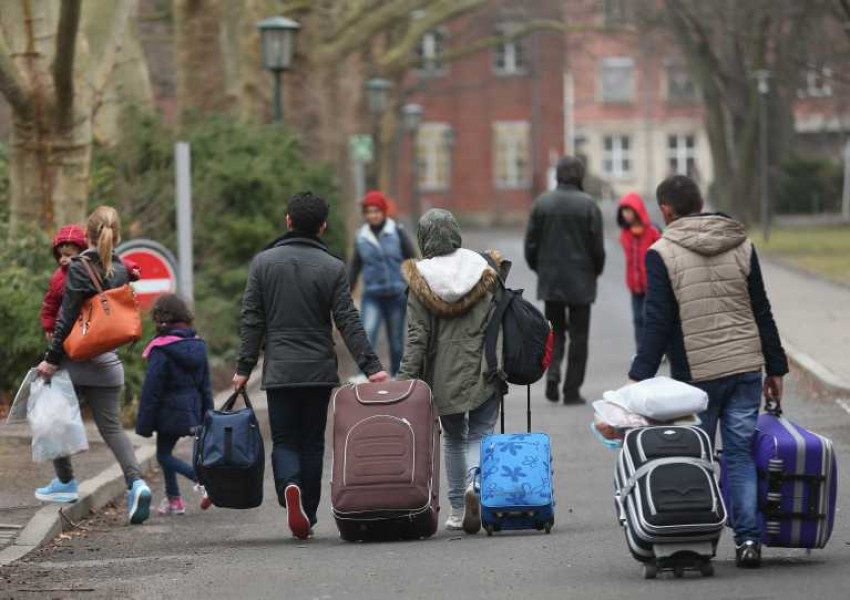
(824, 250)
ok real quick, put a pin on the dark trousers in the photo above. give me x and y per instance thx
(171, 465)
(637, 316)
(298, 417)
(574, 318)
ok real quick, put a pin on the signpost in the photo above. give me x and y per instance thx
(158, 267)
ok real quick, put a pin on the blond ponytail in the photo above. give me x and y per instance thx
(104, 231)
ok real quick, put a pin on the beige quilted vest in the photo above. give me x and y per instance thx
(708, 261)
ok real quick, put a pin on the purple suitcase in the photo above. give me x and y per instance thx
(797, 486)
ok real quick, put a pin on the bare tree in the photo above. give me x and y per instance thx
(726, 42)
(56, 61)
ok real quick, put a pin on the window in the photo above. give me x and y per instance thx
(618, 80)
(430, 52)
(817, 83)
(682, 155)
(617, 12)
(511, 154)
(509, 55)
(617, 156)
(434, 155)
(681, 88)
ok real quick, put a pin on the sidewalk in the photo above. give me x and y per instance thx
(813, 316)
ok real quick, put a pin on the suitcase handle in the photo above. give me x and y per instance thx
(527, 410)
(772, 407)
(229, 404)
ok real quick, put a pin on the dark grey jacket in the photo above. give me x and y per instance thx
(564, 245)
(296, 291)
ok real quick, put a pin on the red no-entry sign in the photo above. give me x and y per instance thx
(159, 270)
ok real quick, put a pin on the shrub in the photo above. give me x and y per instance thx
(809, 186)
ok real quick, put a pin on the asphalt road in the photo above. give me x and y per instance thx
(248, 554)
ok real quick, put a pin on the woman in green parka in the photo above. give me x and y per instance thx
(449, 304)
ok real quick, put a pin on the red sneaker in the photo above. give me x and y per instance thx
(299, 524)
(205, 499)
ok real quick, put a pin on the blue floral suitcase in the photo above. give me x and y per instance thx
(515, 480)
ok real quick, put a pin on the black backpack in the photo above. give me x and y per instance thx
(527, 337)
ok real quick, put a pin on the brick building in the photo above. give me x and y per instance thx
(493, 121)
(632, 110)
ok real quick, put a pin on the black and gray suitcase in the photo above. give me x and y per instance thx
(668, 500)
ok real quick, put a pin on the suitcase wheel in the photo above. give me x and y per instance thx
(706, 569)
(548, 527)
(650, 570)
(489, 529)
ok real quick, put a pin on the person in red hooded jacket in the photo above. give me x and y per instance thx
(637, 236)
(68, 242)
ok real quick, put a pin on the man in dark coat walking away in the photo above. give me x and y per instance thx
(564, 246)
(297, 290)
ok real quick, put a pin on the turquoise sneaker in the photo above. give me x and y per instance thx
(139, 502)
(56, 491)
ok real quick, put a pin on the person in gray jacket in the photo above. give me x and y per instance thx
(565, 247)
(296, 291)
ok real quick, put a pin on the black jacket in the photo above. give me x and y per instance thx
(296, 291)
(177, 391)
(78, 289)
(564, 245)
(662, 329)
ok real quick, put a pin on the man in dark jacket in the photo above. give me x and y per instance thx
(564, 246)
(296, 292)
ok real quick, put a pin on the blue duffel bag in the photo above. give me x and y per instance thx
(229, 455)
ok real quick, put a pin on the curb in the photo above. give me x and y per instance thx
(95, 493)
(815, 372)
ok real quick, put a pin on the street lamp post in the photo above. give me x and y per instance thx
(763, 78)
(449, 139)
(277, 44)
(412, 116)
(378, 97)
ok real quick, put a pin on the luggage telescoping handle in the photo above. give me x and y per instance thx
(527, 411)
(229, 404)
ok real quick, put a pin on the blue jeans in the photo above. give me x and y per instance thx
(637, 316)
(391, 310)
(298, 417)
(734, 401)
(462, 434)
(171, 465)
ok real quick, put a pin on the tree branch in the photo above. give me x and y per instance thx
(11, 85)
(63, 63)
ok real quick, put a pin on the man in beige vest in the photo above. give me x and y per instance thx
(707, 309)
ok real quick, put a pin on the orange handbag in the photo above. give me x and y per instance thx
(107, 320)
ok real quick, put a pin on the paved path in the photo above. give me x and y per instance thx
(813, 316)
(247, 554)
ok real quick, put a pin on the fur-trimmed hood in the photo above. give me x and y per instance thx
(450, 285)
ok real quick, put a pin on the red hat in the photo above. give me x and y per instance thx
(376, 199)
(70, 234)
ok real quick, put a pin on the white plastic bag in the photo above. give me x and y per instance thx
(18, 412)
(660, 398)
(53, 412)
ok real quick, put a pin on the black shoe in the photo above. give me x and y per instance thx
(552, 394)
(748, 555)
(574, 399)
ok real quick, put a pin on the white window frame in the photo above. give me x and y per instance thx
(672, 65)
(617, 62)
(434, 157)
(679, 154)
(430, 53)
(818, 82)
(614, 159)
(512, 51)
(517, 172)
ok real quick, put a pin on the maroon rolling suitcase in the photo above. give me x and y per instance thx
(386, 461)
